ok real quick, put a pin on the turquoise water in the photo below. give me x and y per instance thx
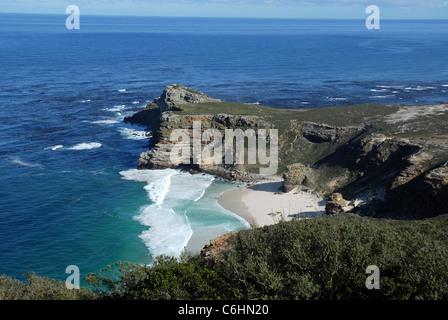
(181, 204)
(69, 192)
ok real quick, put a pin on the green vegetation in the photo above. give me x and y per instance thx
(409, 122)
(321, 258)
(336, 116)
(292, 149)
(39, 288)
(430, 124)
(167, 278)
(326, 258)
(279, 117)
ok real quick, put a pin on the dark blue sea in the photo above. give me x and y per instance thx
(69, 191)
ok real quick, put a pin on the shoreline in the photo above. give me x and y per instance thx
(264, 203)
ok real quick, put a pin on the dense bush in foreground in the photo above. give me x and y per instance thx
(166, 279)
(326, 258)
(322, 258)
(39, 288)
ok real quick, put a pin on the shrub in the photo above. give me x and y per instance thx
(39, 288)
(326, 258)
(167, 278)
(320, 258)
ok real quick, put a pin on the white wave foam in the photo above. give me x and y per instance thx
(135, 102)
(18, 161)
(171, 192)
(86, 146)
(157, 190)
(390, 87)
(122, 90)
(200, 196)
(84, 101)
(109, 121)
(419, 88)
(336, 99)
(146, 175)
(180, 189)
(158, 181)
(59, 146)
(117, 108)
(383, 97)
(168, 232)
(133, 134)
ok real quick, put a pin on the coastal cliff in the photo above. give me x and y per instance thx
(386, 160)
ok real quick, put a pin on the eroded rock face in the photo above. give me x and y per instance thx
(148, 117)
(351, 159)
(436, 183)
(438, 178)
(159, 156)
(235, 121)
(217, 246)
(297, 175)
(172, 98)
(335, 204)
(324, 133)
(425, 196)
(319, 133)
(175, 95)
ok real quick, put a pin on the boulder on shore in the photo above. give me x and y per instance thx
(335, 204)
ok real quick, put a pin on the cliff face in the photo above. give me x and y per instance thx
(162, 116)
(159, 156)
(387, 160)
(387, 170)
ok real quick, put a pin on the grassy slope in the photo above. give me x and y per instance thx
(336, 116)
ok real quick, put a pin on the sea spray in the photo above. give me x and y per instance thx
(85, 146)
(168, 232)
(171, 193)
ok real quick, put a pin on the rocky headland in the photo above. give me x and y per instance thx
(376, 160)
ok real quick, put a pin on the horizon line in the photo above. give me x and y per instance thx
(220, 17)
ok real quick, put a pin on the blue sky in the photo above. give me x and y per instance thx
(346, 9)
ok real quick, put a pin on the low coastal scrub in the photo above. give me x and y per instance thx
(321, 258)
(40, 288)
(326, 258)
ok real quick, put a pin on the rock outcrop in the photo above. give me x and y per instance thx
(175, 95)
(218, 246)
(318, 132)
(297, 175)
(159, 156)
(372, 152)
(335, 204)
(171, 99)
(424, 196)
(163, 121)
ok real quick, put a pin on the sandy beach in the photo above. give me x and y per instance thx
(264, 203)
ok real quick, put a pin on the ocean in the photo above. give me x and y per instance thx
(70, 193)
